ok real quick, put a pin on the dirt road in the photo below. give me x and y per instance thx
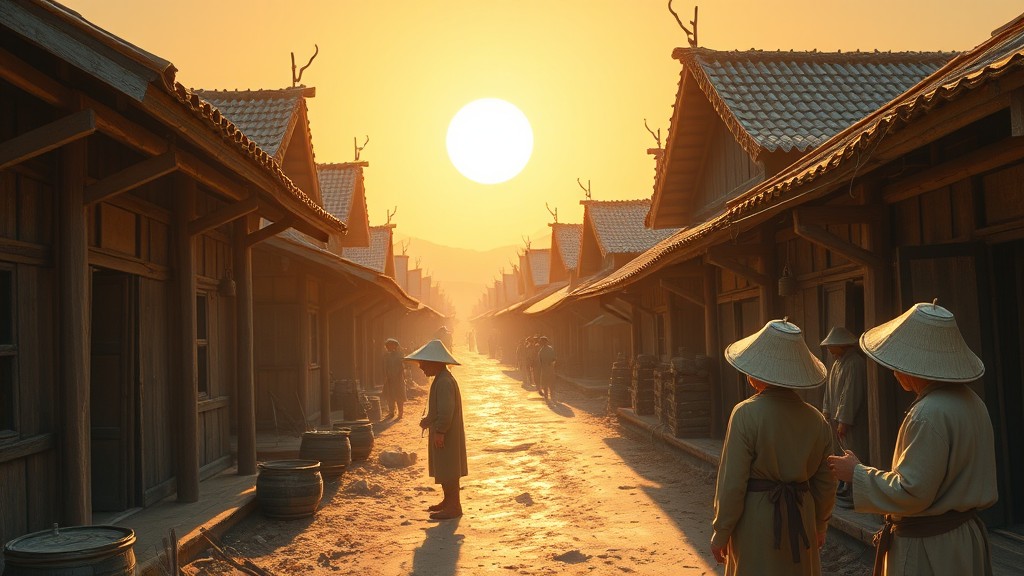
(553, 488)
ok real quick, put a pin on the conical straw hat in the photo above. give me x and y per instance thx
(924, 341)
(777, 354)
(839, 336)
(433, 351)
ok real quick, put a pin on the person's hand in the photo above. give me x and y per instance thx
(842, 466)
(439, 439)
(424, 423)
(719, 554)
(842, 429)
(821, 539)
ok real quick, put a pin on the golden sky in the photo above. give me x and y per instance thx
(585, 72)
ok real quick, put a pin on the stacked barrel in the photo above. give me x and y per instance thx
(686, 396)
(641, 390)
(618, 387)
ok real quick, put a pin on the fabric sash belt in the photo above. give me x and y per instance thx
(791, 494)
(919, 527)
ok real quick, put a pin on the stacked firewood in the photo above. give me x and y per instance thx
(619, 384)
(686, 396)
(641, 390)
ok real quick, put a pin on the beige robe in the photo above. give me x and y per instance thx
(944, 460)
(845, 400)
(444, 414)
(773, 436)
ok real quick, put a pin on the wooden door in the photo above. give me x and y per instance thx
(957, 274)
(112, 392)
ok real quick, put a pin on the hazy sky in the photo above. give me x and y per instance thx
(585, 72)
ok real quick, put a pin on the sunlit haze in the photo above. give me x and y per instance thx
(586, 73)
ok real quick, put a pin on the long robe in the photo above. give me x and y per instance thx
(773, 436)
(444, 414)
(845, 400)
(944, 460)
(394, 379)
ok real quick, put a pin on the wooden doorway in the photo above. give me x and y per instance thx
(1008, 285)
(113, 391)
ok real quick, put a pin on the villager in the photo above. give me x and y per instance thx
(394, 379)
(531, 360)
(446, 448)
(944, 464)
(775, 493)
(546, 368)
(845, 401)
(521, 354)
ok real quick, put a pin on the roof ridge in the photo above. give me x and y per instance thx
(304, 91)
(816, 55)
(336, 165)
(633, 201)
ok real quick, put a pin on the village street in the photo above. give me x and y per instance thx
(553, 488)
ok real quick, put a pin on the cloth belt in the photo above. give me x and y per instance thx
(791, 493)
(920, 527)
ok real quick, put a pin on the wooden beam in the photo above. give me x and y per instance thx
(1017, 112)
(46, 138)
(723, 257)
(840, 214)
(246, 387)
(132, 177)
(30, 80)
(186, 390)
(683, 292)
(324, 323)
(222, 216)
(269, 231)
(982, 160)
(830, 241)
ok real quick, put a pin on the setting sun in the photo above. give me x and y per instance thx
(489, 141)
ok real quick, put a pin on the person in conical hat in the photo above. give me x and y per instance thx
(446, 448)
(944, 465)
(774, 461)
(845, 401)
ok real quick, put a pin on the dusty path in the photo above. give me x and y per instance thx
(553, 488)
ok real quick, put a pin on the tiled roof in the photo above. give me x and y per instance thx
(375, 255)
(540, 265)
(619, 225)
(783, 101)
(568, 238)
(266, 116)
(337, 186)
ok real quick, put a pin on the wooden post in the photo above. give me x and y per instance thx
(878, 308)
(74, 315)
(187, 429)
(245, 388)
(711, 348)
(302, 307)
(769, 292)
(325, 364)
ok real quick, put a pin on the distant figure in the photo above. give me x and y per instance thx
(944, 465)
(522, 351)
(546, 368)
(394, 379)
(775, 492)
(531, 360)
(445, 336)
(446, 448)
(845, 401)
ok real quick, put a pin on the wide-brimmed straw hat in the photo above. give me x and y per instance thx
(433, 351)
(839, 336)
(778, 355)
(391, 341)
(924, 341)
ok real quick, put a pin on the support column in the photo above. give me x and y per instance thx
(711, 348)
(187, 430)
(323, 321)
(74, 318)
(245, 389)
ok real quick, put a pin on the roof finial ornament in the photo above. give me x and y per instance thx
(586, 189)
(405, 244)
(526, 241)
(657, 137)
(297, 77)
(391, 214)
(359, 148)
(691, 35)
(554, 213)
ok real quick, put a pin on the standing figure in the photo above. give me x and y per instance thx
(845, 401)
(775, 492)
(446, 449)
(394, 379)
(944, 465)
(546, 368)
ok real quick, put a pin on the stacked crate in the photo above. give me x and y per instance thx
(687, 397)
(663, 379)
(641, 390)
(618, 386)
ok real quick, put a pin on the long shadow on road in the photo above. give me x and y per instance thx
(439, 553)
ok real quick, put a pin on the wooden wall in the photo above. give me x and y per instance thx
(728, 171)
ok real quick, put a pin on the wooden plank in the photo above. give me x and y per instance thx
(13, 511)
(184, 337)
(269, 231)
(823, 237)
(25, 253)
(736, 267)
(27, 447)
(246, 401)
(132, 177)
(226, 214)
(683, 291)
(1017, 113)
(46, 138)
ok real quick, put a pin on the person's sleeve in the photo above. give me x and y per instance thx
(912, 485)
(823, 483)
(445, 405)
(851, 401)
(733, 473)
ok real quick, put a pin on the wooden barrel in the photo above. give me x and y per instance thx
(330, 447)
(360, 436)
(373, 408)
(289, 489)
(77, 550)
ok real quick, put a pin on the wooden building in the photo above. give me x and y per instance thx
(131, 209)
(920, 199)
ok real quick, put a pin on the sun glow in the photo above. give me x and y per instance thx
(489, 141)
